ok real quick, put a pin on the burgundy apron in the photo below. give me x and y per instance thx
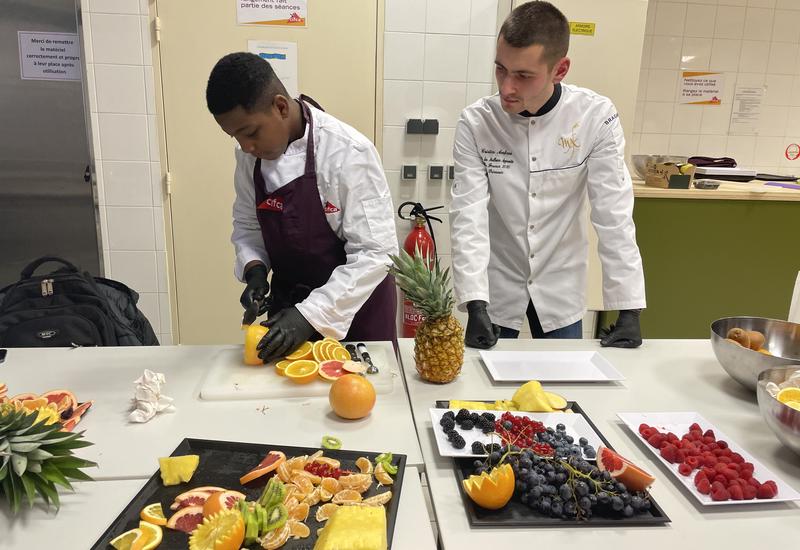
(304, 250)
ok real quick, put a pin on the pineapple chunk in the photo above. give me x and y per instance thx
(354, 528)
(178, 469)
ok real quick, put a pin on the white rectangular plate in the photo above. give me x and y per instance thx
(549, 366)
(678, 423)
(575, 424)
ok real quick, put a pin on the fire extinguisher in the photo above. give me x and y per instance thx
(419, 239)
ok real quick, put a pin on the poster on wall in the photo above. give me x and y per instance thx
(284, 13)
(49, 56)
(701, 88)
(283, 58)
(746, 113)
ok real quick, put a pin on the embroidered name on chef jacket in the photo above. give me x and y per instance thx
(273, 204)
(496, 161)
(330, 208)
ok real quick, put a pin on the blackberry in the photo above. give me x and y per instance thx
(488, 416)
(474, 417)
(462, 415)
(478, 448)
(485, 425)
(493, 447)
(451, 434)
(449, 414)
(467, 425)
(447, 423)
(457, 441)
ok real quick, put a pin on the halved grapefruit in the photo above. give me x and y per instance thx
(186, 519)
(222, 500)
(194, 497)
(268, 464)
(623, 470)
(331, 370)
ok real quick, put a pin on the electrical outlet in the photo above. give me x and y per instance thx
(451, 172)
(435, 172)
(409, 172)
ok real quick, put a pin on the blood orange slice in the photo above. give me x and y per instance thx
(186, 519)
(623, 470)
(331, 370)
(268, 464)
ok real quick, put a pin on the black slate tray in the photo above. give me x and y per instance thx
(517, 514)
(222, 463)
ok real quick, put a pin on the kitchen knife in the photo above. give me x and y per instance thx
(251, 312)
(351, 349)
(362, 349)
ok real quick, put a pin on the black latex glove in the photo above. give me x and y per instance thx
(257, 288)
(287, 330)
(626, 333)
(481, 332)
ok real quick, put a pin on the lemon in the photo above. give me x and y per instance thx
(150, 539)
(125, 540)
(793, 404)
(788, 394)
(178, 469)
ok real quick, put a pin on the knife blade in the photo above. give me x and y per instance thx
(362, 349)
(251, 312)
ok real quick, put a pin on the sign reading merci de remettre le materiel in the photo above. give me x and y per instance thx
(49, 56)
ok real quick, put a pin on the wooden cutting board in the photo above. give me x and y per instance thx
(230, 379)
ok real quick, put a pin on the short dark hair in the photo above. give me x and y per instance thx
(244, 79)
(538, 23)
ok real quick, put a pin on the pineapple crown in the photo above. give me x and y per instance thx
(428, 287)
(35, 456)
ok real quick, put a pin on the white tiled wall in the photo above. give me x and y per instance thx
(438, 58)
(119, 71)
(755, 43)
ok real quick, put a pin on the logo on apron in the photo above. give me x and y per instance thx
(331, 209)
(273, 204)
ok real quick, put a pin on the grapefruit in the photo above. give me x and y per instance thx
(331, 370)
(222, 500)
(623, 470)
(352, 396)
(268, 464)
(252, 336)
(194, 497)
(186, 519)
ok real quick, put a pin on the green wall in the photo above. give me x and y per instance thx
(705, 259)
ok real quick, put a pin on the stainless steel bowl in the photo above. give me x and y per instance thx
(640, 162)
(781, 419)
(782, 340)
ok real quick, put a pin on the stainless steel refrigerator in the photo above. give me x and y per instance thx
(47, 184)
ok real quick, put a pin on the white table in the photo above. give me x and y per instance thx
(87, 513)
(124, 450)
(662, 375)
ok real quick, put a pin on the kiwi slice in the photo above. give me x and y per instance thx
(261, 512)
(276, 517)
(273, 493)
(330, 442)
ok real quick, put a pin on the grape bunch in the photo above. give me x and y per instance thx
(570, 488)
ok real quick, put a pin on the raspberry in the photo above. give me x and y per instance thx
(736, 491)
(708, 440)
(720, 494)
(709, 461)
(680, 455)
(722, 444)
(719, 478)
(655, 440)
(670, 453)
(704, 486)
(684, 469)
(643, 427)
(750, 492)
(672, 437)
(737, 458)
(730, 474)
(710, 433)
(695, 427)
(754, 482)
(720, 467)
(701, 475)
(725, 459)
(767, 490)
(693, 461)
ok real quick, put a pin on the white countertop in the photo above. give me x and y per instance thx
(124, 450)
(662, 375)
(87, 513)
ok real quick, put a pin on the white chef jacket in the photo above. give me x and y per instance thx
(517, 213)
(350, 177)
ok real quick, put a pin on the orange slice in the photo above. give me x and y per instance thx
(382, 475)
(357, 482)
(339, 353)
(280, 366)
(316, 350)
(298, 530)
(378, 500)
(332, 462)
(302, 371)
(346, 496)
(150, 539)
(305, 351)
(153, 513)
(222, 531)
(313, 498)
(364, 465)
(325, 511)
(330, 484)
(299, 512)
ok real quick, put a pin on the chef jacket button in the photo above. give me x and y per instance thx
(530, 227)
(531, 255)
(533, 122)
(530, 281)
(533, 194)
(533, 159)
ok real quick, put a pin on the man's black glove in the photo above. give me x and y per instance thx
(257, 288)
(287, 330)
(481, 332)
(626, 333)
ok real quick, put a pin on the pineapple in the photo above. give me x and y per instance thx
(439, 343)
(35, 456)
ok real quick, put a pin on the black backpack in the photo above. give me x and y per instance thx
(69, 308)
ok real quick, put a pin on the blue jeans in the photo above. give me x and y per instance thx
(575, 330)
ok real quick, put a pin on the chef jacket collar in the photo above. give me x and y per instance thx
(549, 105)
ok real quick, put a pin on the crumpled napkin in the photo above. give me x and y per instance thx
(147, 397)
(792, 382)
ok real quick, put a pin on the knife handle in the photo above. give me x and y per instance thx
(351, 349)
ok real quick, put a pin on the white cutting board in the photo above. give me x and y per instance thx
(230, 379)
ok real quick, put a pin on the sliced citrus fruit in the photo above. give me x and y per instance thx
(325, 511)
(275, 538)
(299, 512)
(223, 500)
(284, 472)
(150, 539)
(357, 482)
(788, 394)
(354, 367)
(297, 462)
(125, 540)
(298, 530)
(222, 531)
(332, 462)
(303, 484)
(331, 369)
(302, 371)
(313, 498)
(186, 519)
(324, 496)
(313, 478)
(252, 336)
(346, 496)
(493, 490)
(623, 470)
(290, 491)
(364, 465)
(273, 460)
(378, 500)
(330, 484)
(153, 513)
(339, 353)
(280, 366)
(382, 475)
(193, 497)
(305, 351)
(316, 350)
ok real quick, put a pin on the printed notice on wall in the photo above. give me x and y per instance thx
(283, 58)
(746, 113)
(49, 56)
(291, 13)
(698, 88)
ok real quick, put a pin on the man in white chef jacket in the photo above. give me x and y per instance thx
(526, 159)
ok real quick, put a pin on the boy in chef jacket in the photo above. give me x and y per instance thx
(312, 206)
(526, 161)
